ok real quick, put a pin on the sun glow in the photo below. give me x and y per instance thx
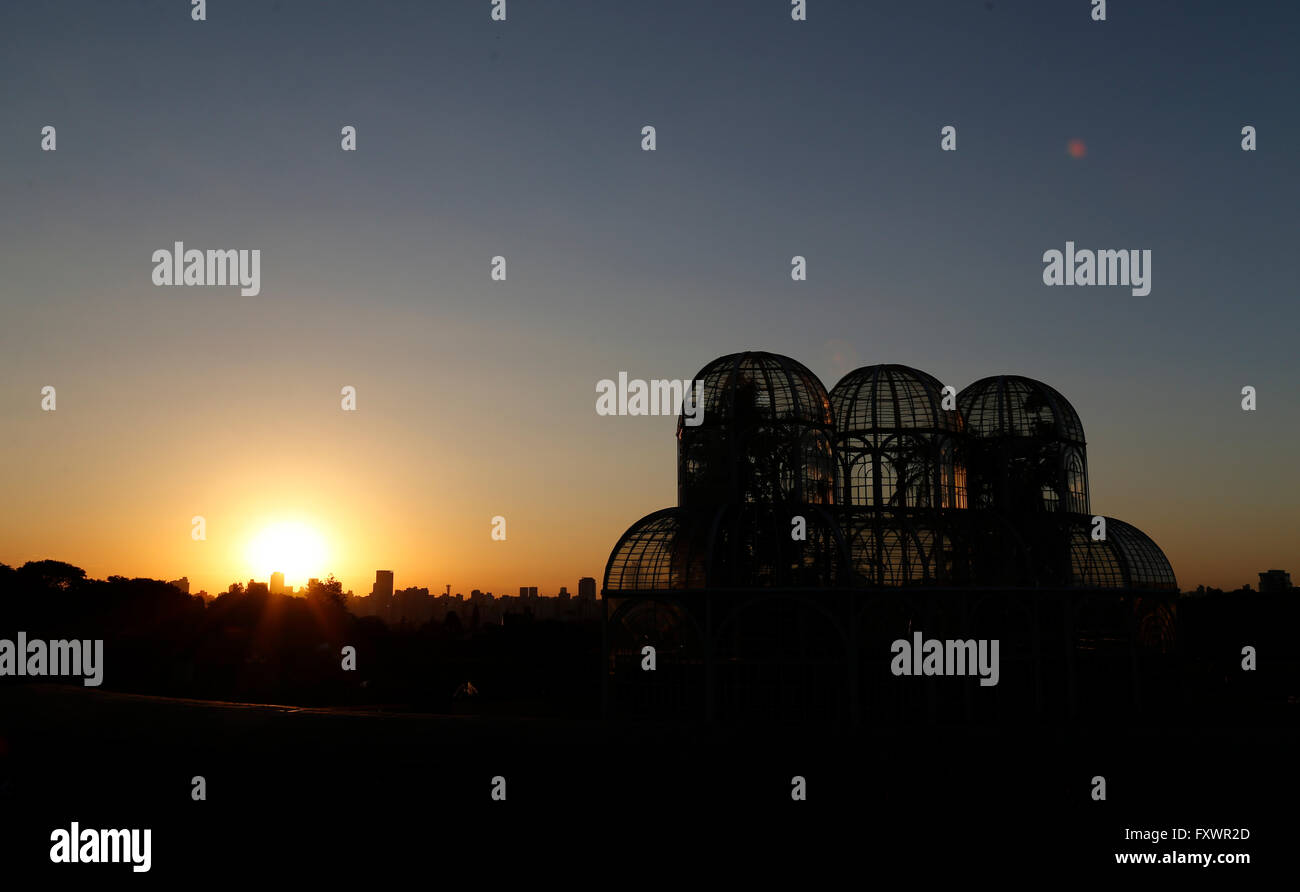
(294, 549)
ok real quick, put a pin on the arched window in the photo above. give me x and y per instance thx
(887, 480)
(862, 481)
(1077, 482)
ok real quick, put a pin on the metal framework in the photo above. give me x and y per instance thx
(728, 547)
(898, 447)
(1028, 450)
(1125, 559)
(766, 435)
(810, 527)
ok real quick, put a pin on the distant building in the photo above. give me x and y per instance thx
(277, 583)
(1274, 581)
(184, 583)
(381, 595)
(413, 605)
(416, 606)
(586, 589)
(257, 588)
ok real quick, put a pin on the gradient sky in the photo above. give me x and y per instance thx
(477, 138)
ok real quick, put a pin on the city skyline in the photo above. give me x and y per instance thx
(1273, 578)
(278, 586)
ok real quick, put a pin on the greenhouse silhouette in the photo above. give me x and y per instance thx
(813, 529)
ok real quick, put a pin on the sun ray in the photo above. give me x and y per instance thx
(293, 548)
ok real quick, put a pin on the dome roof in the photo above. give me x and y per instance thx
(891, 397)
(755, 387)
(1013, 406)
(1126, 559)
(664, 551)
(683, 549)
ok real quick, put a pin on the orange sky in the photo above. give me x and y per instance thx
(385, 490)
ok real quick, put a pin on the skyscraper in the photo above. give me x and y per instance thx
(277, 583)
(587, 589)
(381, 595)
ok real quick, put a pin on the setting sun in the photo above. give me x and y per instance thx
(294, 549)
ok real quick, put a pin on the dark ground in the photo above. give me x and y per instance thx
(378, 789)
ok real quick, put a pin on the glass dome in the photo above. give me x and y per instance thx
(1027, 449)
(742, 389)
(1127, 558)
(737, 546)
(897, 446)
(765, 435)
(1013, 406)
(889, 398)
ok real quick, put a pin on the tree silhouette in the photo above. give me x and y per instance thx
(53, 574)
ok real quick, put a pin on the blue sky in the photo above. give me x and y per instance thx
(522, 139)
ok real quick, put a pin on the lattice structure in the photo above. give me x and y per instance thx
(766, 435)
(895, 548)
(897, 446)
(664, 551)
(890, 464)
(1126, 559)
(731, 547)
(809, 525)
(1028, 453)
